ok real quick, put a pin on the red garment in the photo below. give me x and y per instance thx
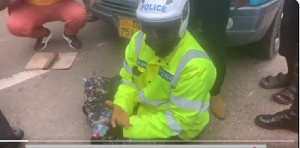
(27, 20)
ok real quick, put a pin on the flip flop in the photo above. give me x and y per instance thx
(272, 82)
(286, 96)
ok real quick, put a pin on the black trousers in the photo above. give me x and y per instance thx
(289, 40)
(213, 16)
(289, 37)
(6, 132)
(289, 30)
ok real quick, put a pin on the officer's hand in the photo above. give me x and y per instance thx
(119, 117)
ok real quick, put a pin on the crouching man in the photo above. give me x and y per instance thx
(27, 17)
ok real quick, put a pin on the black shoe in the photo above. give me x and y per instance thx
(19, 133)
(281, 120)
(41, 43)
(73, 41)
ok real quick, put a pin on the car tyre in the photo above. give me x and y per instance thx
(268, 46)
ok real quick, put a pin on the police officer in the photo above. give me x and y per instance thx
(166, 75)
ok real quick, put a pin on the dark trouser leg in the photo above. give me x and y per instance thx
(289, 34)
(289, 47)
(6, 132)
(213, 15)
(290, 64)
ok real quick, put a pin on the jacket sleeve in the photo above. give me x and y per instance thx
(188, 101)
(126, 95)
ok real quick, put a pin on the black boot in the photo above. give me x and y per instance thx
(286, 119)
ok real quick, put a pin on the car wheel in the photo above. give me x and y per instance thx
(268, 46)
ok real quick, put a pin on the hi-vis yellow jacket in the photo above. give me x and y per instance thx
(172, 92)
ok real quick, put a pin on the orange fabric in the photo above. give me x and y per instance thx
(42, 2)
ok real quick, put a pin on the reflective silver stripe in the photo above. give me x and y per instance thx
(204, 108)
(127, 68)
(144, 100)
(173, 124)
(128, 83)
(138, 43)
(186, 104)
(190, 55)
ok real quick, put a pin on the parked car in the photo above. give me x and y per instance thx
(256, 24)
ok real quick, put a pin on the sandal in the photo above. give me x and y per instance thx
(271, 82)
(286, 96)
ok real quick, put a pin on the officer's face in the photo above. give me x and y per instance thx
(161, 37)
